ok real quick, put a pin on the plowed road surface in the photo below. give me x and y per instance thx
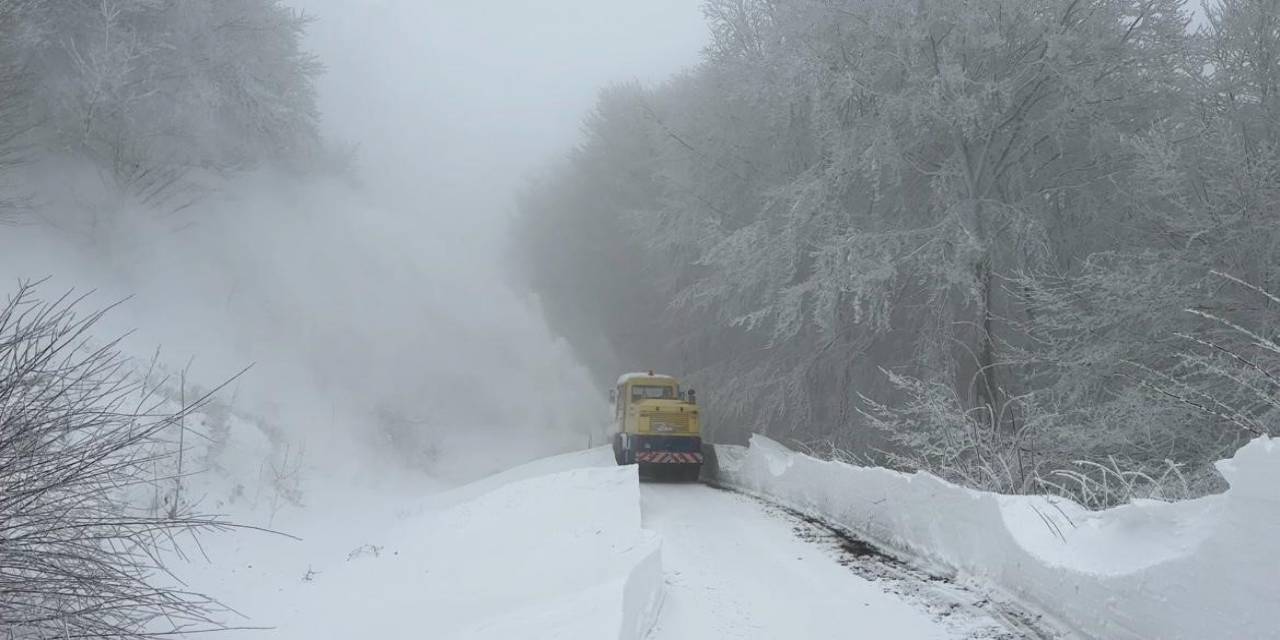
(738, 568)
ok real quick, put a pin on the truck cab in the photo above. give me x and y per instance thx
(657, 425)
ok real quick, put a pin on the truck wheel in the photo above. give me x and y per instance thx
(617, 449)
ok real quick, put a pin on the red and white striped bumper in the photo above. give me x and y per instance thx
(668, 457)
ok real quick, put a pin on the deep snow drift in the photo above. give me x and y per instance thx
(1204, 568)
(553, 549)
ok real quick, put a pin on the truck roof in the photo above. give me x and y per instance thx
(642, 375)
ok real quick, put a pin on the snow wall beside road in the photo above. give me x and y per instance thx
(553, 549)
(560, 556)
(550, 550)
(1205, 568)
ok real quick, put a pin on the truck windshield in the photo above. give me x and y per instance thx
(644, 392)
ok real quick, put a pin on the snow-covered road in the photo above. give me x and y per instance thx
(733, 570)
(574, 548)
(738, 568)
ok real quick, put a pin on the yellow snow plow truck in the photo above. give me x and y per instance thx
(657, 426)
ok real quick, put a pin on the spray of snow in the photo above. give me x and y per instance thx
(356, 321)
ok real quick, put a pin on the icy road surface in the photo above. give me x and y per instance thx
(738, 568)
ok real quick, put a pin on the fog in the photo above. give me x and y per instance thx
(452, 103)
(376, 301)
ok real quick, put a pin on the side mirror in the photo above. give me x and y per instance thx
(613, 396)
(693, 397)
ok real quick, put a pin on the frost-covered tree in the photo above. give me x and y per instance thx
(883, 225)
(156, 89)
(1114, 330)
(951, 139)
(1244, 42)
(13, 112)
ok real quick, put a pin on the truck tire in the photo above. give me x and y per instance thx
(617, 449)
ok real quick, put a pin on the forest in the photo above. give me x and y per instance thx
(1028, 245)
(165, 97)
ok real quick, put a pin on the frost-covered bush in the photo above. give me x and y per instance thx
(1213, 385)
(81, 555)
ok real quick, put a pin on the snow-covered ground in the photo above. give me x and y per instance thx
(574, 547)
(568, 547)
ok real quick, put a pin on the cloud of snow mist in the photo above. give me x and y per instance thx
(355, 320)
(384, 303)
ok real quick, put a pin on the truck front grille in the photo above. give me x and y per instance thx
(663, 422)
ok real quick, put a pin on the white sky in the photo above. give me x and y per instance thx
(456, 101)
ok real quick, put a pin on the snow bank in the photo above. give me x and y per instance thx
(551, 549)
(561, 533)
(1206, 568)
(597, 457)
(557, 556)
(642, 592)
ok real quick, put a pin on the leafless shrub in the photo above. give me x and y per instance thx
(1230, 373)
(1098, 485)
(972, 446)
(967, 446)
(284, 476)
(78, 436)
